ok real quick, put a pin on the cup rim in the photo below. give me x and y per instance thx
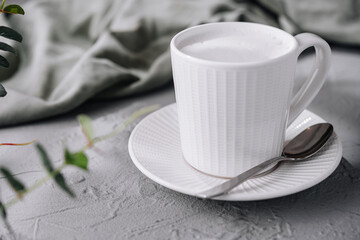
(198, 60)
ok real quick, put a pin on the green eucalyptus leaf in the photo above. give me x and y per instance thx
(78, 159)
(58, 177)
(45, 158)
(10, 34)
(2, 91)
(3, 62)
(2, 4)
(60, 180)
(14, 9)
(2, 210)
(86, 125)
(14, 183)
(6, 47)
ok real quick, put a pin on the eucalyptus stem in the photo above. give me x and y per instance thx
(36, 185)
(120, 128)
(53, 173)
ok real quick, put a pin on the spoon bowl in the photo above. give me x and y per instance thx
(308, 142)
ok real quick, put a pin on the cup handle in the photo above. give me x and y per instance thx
(317, 77)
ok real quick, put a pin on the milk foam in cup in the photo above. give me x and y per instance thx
(237, 48)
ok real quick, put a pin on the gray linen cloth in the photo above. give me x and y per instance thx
(76, 50)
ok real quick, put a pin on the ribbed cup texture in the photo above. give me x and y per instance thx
(231, 119)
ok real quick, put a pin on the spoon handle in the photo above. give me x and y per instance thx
(235, 181)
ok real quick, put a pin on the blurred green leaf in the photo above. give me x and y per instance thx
(10, 33)
(14, 183)
(60, 180)
(45, 158)
(2, 91)
(58, 177)
(2, 210)
(78, 159)
(3, 62)
(6, 47)
(2, 4)
(15, 9)
(86, 125)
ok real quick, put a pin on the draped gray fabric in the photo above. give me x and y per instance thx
(76, 50)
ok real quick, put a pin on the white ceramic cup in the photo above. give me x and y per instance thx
(233, 115)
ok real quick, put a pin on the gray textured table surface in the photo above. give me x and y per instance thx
(115, 201)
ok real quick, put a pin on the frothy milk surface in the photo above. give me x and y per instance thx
(237, 48)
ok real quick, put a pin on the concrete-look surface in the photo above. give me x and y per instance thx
(116, 201)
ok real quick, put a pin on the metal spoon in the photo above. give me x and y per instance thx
(303, 146)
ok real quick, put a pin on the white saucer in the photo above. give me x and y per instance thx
(154, 147)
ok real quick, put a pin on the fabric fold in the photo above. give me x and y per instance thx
(74, 50)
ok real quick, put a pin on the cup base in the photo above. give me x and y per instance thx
(265, 171)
